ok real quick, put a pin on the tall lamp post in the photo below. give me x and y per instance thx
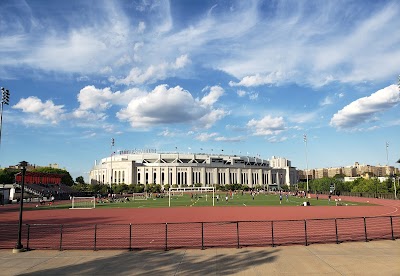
(112, 145)
(305, 143)
(19, 247)
(395, 191)
(5, 99)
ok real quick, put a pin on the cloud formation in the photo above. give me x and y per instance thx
(364, 109)
(44, 110)
(154, 72)
(267, 126)
(164, 105)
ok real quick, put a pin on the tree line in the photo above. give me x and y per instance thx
(360, 185)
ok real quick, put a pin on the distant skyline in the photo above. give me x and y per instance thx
(235, 77)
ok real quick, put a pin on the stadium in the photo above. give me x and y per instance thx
(189, 169)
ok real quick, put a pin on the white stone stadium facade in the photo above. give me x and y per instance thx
(187, 169)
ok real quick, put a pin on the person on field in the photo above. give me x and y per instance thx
(280, 199)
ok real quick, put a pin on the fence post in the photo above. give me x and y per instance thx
(272, 233)
(337, 236)
(391, 226)
(237, 234)
(61, 236)
(130, 236)
(95, 236)
(202, 236)
(305, 231)
(28, 236)
(166, 236)
(365, 229)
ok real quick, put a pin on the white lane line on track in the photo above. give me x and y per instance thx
(396, 210)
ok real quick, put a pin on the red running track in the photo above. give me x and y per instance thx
(9, 213)
(200, 227)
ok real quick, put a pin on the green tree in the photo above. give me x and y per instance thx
(80, 180)
(7, 176)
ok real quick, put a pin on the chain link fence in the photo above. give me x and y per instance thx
(165, 236)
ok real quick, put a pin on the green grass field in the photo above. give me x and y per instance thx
(205, 199)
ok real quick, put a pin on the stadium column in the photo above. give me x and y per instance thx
(239, 176)
(260, 177)
(174, 176)
(131, 175)
(228, 176)
(190, 176)
(251, 178)
(203, 176)
(278, 182)
(215, 176)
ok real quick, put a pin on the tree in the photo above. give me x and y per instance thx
(80, 180)
(7, 176)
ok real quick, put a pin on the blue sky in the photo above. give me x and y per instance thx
(238, 77)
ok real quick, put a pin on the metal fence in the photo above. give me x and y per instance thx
(200, 235)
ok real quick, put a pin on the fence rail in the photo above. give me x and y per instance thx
(201, 235)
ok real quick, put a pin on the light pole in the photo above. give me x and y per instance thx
(305, 143)
(395, 191)
(112, 145)
(19, 247)
(387, 154)
(5, 99)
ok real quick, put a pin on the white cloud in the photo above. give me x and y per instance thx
(301, 118)
(267, 126)
(253, 96)
(209, 119)
(257, 79)
(141, 27)
(305, 43)
(92, 98)
(211, 98)
(205, 136)
(167, 133)
(364, 109)
(166, 105)
(276, 139)
(241, 93)
(229, 139)
(44, 110)
(154, 72)
(327, 101)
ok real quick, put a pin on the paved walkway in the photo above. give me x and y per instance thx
(352, 258)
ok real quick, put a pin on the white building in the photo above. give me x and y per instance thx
(186, 169)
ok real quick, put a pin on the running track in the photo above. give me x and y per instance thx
(9, 213)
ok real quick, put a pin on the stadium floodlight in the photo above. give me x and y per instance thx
(5, 99)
